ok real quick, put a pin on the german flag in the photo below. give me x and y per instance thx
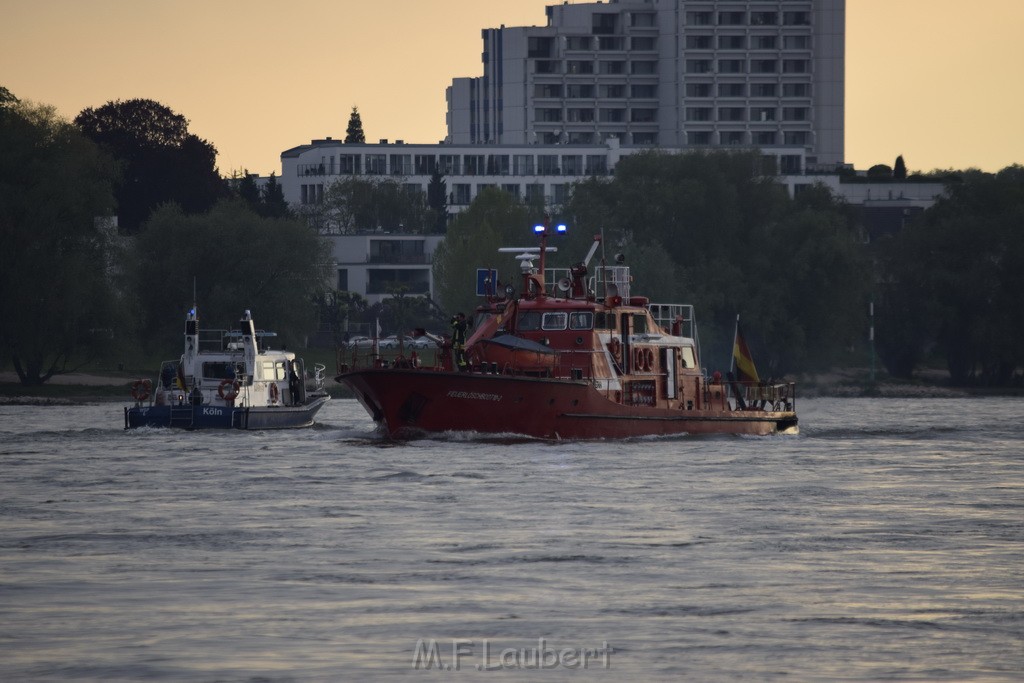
(741, 358)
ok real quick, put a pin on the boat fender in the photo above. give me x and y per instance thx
(274, 393)
(648, 359)
(638, 359)
(615, 346)
(141, 389)
(228, 389)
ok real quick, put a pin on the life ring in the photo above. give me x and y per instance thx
(228, 389)
(615, 346)
(638, 359)
(141, 389)
(274, 393)
(648, 359)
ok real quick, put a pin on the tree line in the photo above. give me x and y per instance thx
(712, 229)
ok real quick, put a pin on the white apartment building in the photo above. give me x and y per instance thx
(372, 264)
(666, 73)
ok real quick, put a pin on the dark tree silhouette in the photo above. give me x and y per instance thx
(160, 160)
(899, 170)
(354, 132)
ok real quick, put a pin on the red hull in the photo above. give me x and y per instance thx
(407, 403)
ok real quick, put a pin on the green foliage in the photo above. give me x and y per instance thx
(274, 267)
(57, 301)
(899, 171)
(494, 219)
(880, 172)
(160, 160)
(357, 204)
(437, 202)
(354, 132)
(340, 312)
(955, 279)
(709, 229)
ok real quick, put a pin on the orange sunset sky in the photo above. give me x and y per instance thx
(938, 81)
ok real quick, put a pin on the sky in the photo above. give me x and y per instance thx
(937, 81)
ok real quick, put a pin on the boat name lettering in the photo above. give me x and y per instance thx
(474, 396)
(212, 411)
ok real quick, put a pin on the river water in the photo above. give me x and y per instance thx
(886, 541)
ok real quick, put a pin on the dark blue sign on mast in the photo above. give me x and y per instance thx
(486, 282)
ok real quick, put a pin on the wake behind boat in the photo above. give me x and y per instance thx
(228, 380)
(583, 359)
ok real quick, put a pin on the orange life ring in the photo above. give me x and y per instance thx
(648, 359)
(615, 346)
(228, 389)
(274, 393)
(141, 389)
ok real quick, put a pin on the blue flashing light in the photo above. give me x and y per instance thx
(561, 228)
(539, 228)
(192, 311)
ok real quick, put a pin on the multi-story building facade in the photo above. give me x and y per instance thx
(666, 73)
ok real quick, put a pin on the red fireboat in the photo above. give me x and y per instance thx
(579, 359)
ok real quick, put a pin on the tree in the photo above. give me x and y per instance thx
(248, 191)
(57, 305)
(437, 201)
(274, 204)
(880, 172)
(355, 204)
(237, 260)
(354, 132)
(899, 171)
(160, 160)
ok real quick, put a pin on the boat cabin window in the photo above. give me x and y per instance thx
(688, 357)
(639, 323)
(605, 321)
(554, 321)
(272, 370)
(529, 320)
(219, 370)
(581, 320)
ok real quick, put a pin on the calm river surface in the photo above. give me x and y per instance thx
(884, 542)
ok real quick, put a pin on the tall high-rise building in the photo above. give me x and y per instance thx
(665, 73)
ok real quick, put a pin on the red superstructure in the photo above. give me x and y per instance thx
(582, 359)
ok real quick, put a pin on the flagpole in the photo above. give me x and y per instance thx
(732, 349)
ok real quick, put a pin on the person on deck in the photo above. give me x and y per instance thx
(459, 325)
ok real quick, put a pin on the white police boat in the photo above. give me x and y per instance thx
(228, 380)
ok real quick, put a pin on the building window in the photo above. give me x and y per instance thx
(796, 113)
(512, 189)
(730, 113)
(795, 137)
(547, 66)
(730, 66)
(732, 89)
(572, 164)
(597, 164)
(348, 164)
(796, 42)
(763, 90)
(698, 90)
(731, 137)
(535, 193)
(764, 137)
(425, 164)
(613, 91)
(579, 91)
(643, 43)
(376, 164)
(698, 113)
(547, 90)
(547, 164)
(342, 279)
(609, 67)
(604, 24)
(539, 46)
(522, 164)
(763, 42)
(561, 193)
(473, 164)
(644, 67)
(579, 115)
(698, 66)
(578, 42)
(698, 42)
(699, 18)
(731, 18)
(763, 66)
(497, 164)
(643, 115)
(579, 66)
(796, 66)
(789, 164)
(731, 42)
(646, 91)
(581, 138)
(460, 194)
(762, 113)
(698, 137)
(608, 43)
(796, 18)
(448, 164)
(796, 90)
(548, 115)
(764, 18)
(612, 115)
(650, 138)
(401, 164)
